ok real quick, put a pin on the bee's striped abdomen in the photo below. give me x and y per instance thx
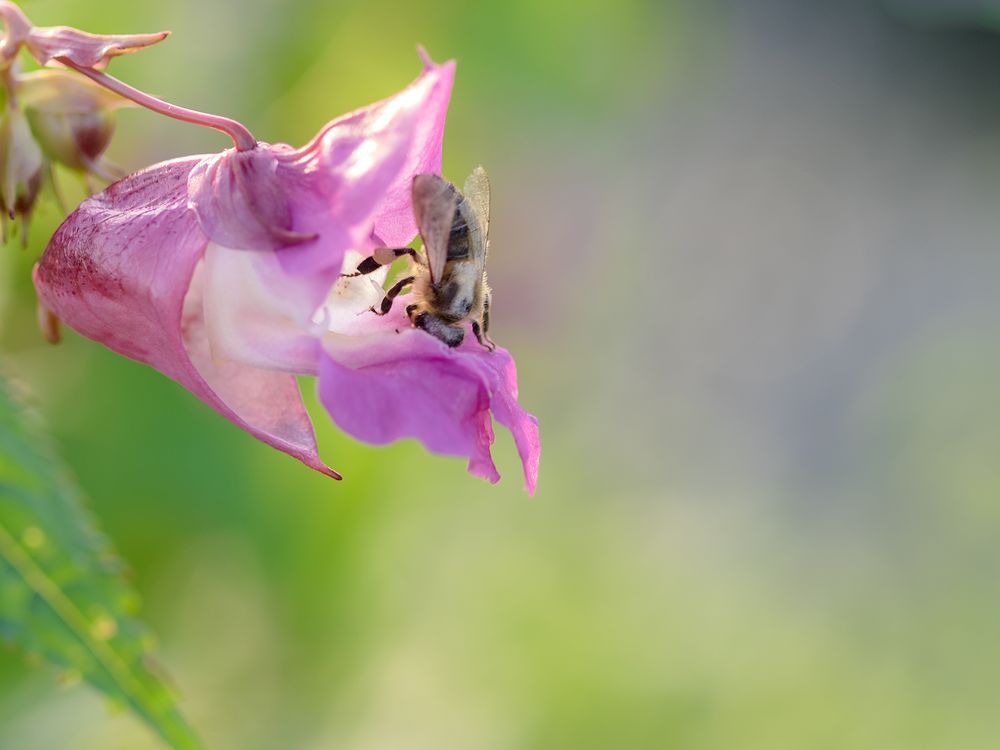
(458, 239)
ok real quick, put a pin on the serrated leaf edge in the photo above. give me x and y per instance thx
(36, 579)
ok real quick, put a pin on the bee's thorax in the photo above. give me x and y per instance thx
(456, 297)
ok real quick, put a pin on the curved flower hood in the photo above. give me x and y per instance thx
(120, 269)
(221, 271)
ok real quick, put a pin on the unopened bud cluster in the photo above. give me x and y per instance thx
(50, 117)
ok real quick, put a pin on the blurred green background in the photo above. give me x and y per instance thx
(746, 254)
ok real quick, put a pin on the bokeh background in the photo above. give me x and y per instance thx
(747, 255)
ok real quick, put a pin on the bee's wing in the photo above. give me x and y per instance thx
(477, 194)
(434, 203)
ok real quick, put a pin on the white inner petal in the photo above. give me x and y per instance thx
(350, 298)
(254, 313)
(269, 402)
(250, 320)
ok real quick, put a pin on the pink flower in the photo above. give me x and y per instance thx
(224, 273)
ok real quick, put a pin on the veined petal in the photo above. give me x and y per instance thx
(242, 202)
(395, 382)
(123, 270)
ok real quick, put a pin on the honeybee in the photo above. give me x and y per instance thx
(449, 280)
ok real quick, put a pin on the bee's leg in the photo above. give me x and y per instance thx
(481, 336)
(393, 292)
(480, 331)
(383, 256)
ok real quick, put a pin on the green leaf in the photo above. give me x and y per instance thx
(63, 596)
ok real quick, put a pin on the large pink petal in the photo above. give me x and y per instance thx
(349, 188)
(360, 167)
(394, 222)
(395, 382)
(122, 271)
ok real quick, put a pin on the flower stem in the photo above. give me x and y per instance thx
(242, 138)
(7, 81)
(16, 27)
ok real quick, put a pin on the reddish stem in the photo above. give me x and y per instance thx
(16, 27)
(242, 137)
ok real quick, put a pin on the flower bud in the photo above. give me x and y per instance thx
(21, 164)
(75, 140)
(64, 44)
(48, 323)
(72, 118)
